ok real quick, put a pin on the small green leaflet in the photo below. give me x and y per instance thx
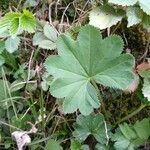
(38, 37)
(46, 39)
(14, 22)
(95, 125)
(6, 21)
(14, 26)
(90, 58)
(47, 44)
(105, 16)
(11, 44)
(50, 32)
(27, 21)
(30, 3)
(130, 137)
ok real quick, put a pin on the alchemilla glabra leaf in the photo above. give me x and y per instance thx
(95, 125)
(89, 58)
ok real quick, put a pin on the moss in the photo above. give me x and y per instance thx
(135, 38)
(119, 104)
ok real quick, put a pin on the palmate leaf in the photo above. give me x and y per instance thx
(131, 136)
(90, 58)
(95, 125)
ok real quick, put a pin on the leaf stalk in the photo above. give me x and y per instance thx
(131, 115)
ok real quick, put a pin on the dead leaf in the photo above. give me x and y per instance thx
(143, 66)
(22, 138)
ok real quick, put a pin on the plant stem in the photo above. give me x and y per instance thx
(100, 97)
(9, 93)
(132, 114)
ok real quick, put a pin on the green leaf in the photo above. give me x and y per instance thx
(105, 16)
(5, 21)
(38, 37)
(146, 88)
(123, 144)
(75, 145)
(47, 44)
(94, 124)
(13, 21)
(30, 3)
(123, 2)
(11, 44)
(14, 26)
(142, 129)
(131, 136)
(27, 21)
(52, 145)
(127, 131)
(145, 5)
(10, 60)
(46, 40)
(50, 33)
(134, 15)
(78, 64)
